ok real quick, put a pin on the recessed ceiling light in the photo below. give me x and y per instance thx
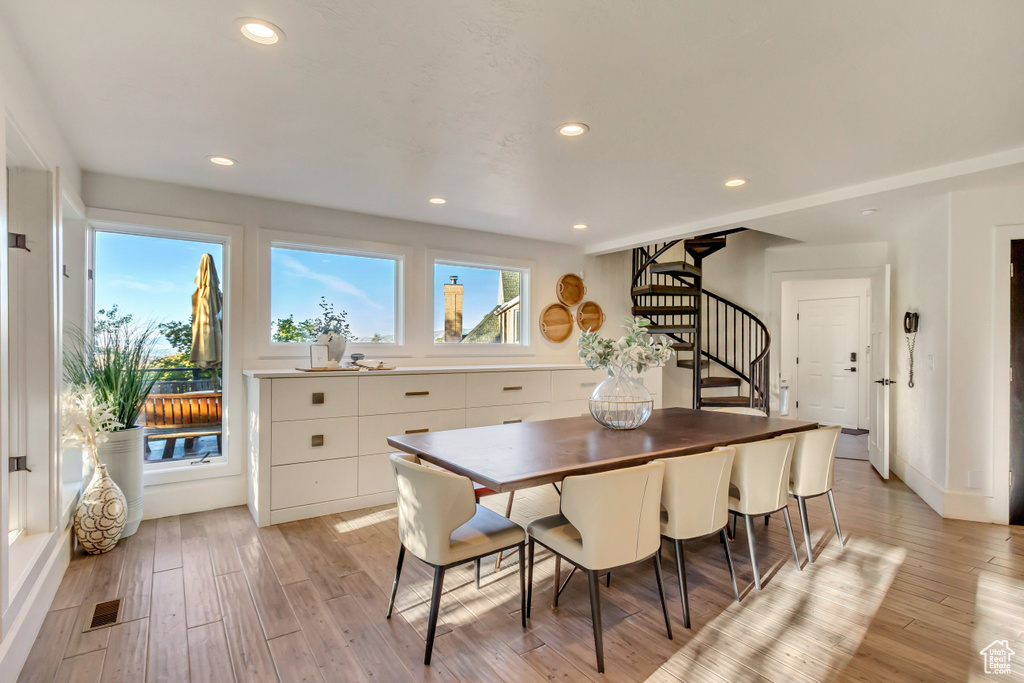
(438, 200)
(580, 226)
(259, 31)
(735, 182)
(571, 130)
(868, 211)
(222, 161)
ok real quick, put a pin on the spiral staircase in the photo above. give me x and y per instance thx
(726, 346)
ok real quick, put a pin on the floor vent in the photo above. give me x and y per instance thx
(105, 614)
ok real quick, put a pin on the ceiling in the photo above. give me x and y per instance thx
(376, 106)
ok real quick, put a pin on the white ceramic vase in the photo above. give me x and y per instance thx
(101, 514)
(122, 454)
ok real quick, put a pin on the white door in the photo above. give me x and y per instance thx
(828, 333)
(878, 358)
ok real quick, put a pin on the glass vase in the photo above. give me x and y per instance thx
(621, 402)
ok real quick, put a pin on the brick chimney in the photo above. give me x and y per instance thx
(453, 311)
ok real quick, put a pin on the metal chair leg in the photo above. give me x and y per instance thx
(753, 552)
(476, 571)
(522, 582)
(558, 583)
(435, 607)
(766, 518)
(661, 594)
(728, 560)
(792, 541)
(802, 506)
(508, 515)
(529, 580)
(608, 580)
(595, 616)
(398, 574)
(835, 518)
(681, 570)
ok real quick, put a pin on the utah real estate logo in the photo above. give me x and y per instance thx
(997, 657)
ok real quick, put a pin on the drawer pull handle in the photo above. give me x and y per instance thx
(511, 422)
(513, 389)
(417, 393)
(318, 398)
(317, 441)
(588, 384)
(416, 431)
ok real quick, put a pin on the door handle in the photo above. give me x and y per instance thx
(850, 369)
(883, 382)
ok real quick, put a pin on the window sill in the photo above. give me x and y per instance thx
(159, 473)
(22, 557)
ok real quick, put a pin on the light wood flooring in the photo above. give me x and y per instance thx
(209, 597)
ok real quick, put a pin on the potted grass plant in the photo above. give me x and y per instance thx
(112, 364)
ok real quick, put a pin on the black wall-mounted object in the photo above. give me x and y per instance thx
(911, 321)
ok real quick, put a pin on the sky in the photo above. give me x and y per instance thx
(479, 295)
(151, 278)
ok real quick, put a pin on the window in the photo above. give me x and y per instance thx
(144, 280)
(479, 304)
(312, 291)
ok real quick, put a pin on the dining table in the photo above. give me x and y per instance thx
(509, 457)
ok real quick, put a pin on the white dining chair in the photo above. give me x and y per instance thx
(695, 504)
(606, 521)
(440, 523)
(741, 410)
(812, 472)
(760, 474)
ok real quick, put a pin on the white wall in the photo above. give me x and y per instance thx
(795, 291)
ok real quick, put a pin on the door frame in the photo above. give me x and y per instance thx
(1004, 234)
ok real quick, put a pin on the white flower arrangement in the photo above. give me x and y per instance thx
(85, 421)
(636, 352)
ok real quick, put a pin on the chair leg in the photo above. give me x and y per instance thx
(753, 552)
(735, 521)
(681, 569)
(522, 582)
(595, 616)
(435, 607)
(476, 571)
(608, 580)
(802, 505)
(398, 574)
(728, 560)
(529, 580)
(508, 515)
(792, 541)
(558, 582)
(766, 518)
(661, 594)
(835, 518)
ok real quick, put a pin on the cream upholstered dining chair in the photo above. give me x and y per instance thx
(814, 460)
(741, 410)
(440, 522)
(760, 473)
(606, 520)
(695, 503)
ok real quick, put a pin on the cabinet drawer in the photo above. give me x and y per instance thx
(375, 429)
(652, 380)
(574, 385)
(313, 482)
(314, 397)
(309, 440)
(507, 388)
(570, 409)
(375, 475)
(384, 395)
(496, 415)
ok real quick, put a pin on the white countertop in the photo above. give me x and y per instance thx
(410, 370)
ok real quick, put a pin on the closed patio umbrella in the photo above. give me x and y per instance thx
(207, 346)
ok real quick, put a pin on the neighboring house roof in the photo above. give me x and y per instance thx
(510, 281)
(487, 331)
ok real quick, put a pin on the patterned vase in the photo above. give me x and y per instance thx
(101, 514)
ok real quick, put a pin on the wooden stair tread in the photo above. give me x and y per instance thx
(724, 401)
(676, 267)
(719, 382)
(665, 310)
(682, 346)
(671, 329)
(688, 363)
(666, 289)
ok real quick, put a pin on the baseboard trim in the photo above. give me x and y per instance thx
(974, 507)
(919, 483)
(18, 641)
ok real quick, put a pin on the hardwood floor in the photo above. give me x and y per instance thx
(208, 597)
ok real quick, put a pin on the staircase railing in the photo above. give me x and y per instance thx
(737, 340)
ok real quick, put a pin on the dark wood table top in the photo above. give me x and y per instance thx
(515, 456)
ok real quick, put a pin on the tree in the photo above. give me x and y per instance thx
(179, 334)
(109, 320)
(287, 330)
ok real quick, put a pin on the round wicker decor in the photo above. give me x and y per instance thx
(570, 289)
(589, 316)
(556, 322)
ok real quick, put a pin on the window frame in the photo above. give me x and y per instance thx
(230, 237)
(525, 347)
(271, 239)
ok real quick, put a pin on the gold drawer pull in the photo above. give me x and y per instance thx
(416, 431)
(417, 393)
(318, 398)
(513, 389)
(511, 422)
(317, 441)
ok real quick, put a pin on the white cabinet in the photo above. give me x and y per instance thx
(308, 483)
(381, 394)
(507, 388)
(496, 415)
(374, 430)
(309, 440)
(315, 397)
(573, 385)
